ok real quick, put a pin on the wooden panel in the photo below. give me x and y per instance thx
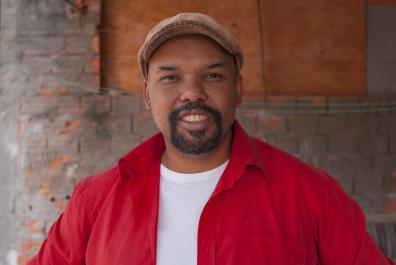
(314, 47)
(381, 2)
(126, 22)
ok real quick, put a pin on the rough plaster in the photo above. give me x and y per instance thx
(10, 92)
(8, 182)
(12, 257)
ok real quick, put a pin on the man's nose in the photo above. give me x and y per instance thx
(192, 90)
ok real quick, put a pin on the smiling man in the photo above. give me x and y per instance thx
(193, 88)
(202, 191)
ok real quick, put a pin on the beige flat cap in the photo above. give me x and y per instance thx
(184, 24)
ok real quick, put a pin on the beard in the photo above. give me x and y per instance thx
(198, 141)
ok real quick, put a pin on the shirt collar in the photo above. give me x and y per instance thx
(244, 151)
(144, 156)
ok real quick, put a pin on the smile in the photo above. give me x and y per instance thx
(194, 118)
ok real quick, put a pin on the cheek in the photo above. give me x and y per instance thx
(229, 116)
(227, 101)
(160, 114)
(228, 111)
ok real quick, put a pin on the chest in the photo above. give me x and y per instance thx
(251, 223)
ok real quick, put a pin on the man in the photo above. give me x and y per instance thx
(202, 191)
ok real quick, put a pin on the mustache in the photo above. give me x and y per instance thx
(194, 106)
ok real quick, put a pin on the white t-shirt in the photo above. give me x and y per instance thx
(182, 199)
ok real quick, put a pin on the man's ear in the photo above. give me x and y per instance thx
(146, 95)
(239, 90)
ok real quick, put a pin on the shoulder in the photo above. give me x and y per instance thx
(283, 166)
(293, 181)
(289, 173)
(102, 181)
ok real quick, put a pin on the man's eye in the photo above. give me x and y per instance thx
(169, 78)
(213, 76)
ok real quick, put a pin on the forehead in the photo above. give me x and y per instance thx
(190, 49)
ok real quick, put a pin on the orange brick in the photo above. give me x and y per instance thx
(96, 64)
(95, 44)
(62, 89)
(58, 161)
(26, 249)
(45, 189)
(44, 91)
(60, 203)
(35, 227)
(70, 125)
(390, 205)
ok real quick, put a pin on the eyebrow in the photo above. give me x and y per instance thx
(215, 65)
(173, 68)
(166, 68)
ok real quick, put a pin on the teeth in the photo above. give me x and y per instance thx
(194, 117)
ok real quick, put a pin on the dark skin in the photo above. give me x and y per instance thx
(193, 68)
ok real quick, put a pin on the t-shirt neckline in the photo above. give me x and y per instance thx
(179, 177)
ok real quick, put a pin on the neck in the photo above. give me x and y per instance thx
(180, 162)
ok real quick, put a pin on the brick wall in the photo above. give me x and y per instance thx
(354, 139)
(49, 70)
(56, 129)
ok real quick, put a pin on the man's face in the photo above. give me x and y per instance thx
(193, 89)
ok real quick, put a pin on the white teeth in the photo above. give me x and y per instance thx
(194, 117)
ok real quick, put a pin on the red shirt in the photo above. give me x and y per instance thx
(267, 208)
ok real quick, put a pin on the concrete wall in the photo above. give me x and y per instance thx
(55, 129)
(354, 139)
(381, 51)
(10, 91)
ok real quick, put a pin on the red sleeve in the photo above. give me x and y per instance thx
(68, 236)
(341, 231)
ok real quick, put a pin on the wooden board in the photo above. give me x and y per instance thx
(314, 47)
(291, 48)
(125, 23)
(381, 2)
